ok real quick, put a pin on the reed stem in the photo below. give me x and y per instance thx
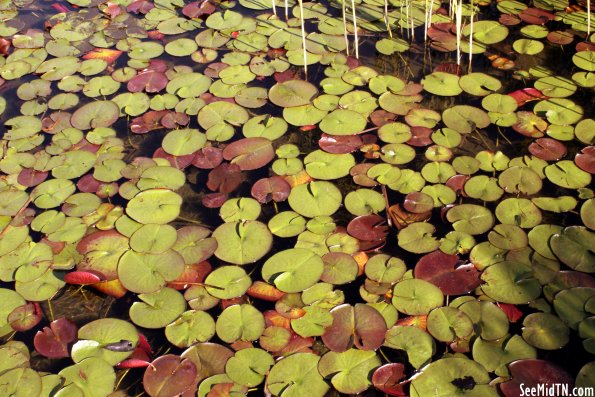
(304, 38)
(356, 38)
(386, 21)
(459, 23)
(345, 27)
(471, 38)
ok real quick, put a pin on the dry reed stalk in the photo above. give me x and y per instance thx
(356, 38)
(304, 38)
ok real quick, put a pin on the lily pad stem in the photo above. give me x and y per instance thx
(51, 310)
(387, 205)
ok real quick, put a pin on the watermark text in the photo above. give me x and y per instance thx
(556, 390)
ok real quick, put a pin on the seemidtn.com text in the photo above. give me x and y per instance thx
(556, 390)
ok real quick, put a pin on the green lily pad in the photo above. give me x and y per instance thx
(555, 86)
(154, 206)
(188, 85)
(510, 282)
(145, 50)
(487, 32)
(240, 209)
(328, 166)
(479, 84)
(293, 270)
(292, 93)
(287, 224)
(417, 343)
(265, 126)
(297, 375)
(343, 122)
(465, 119)
(566, 174)
(92, 376)
(416, 297)
(10, 301)
(519, 212)
(95, 114)
(569, 305)
(22, 127)
(495, 355)
(519, 179)
(153, 238)
(52, 193)
(303, 115)
(364, 202)
(240, 322)
(528, 46)
(350, 371)
(314, 322)
(447, 323)
(585, 60)
(418, 238)
(397, 153)
(490, 321)
(241, 243)
(444, 374)
(442, 83)
(183, 141)
(573, 246)
(132, 103)
(157, 309)
(217, 113)
(545, 331)
(102, 333)
(227, 282)
(191, 327)
(484, 188)
(181, 47)
(145, 273)
(315, 199)
(249, 366)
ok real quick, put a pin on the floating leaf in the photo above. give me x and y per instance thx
(453, 376)
(295, 375)
(448, 273)
(350, 370)
(241, 243)
(169, 375)
(95, 114)
(293, 270)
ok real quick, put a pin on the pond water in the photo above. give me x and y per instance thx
(220, 198)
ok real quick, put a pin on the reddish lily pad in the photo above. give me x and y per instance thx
(53, 341)
(250, 153)
(361, 325)
(548, 149)
(266, 189)
(170, 375)
(531, 373)
(447, 272)
(388, 378)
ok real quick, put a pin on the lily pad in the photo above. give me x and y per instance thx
(350, 371)
(293, 270)
(244, 242)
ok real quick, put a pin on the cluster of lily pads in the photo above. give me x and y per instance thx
(285, 217)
